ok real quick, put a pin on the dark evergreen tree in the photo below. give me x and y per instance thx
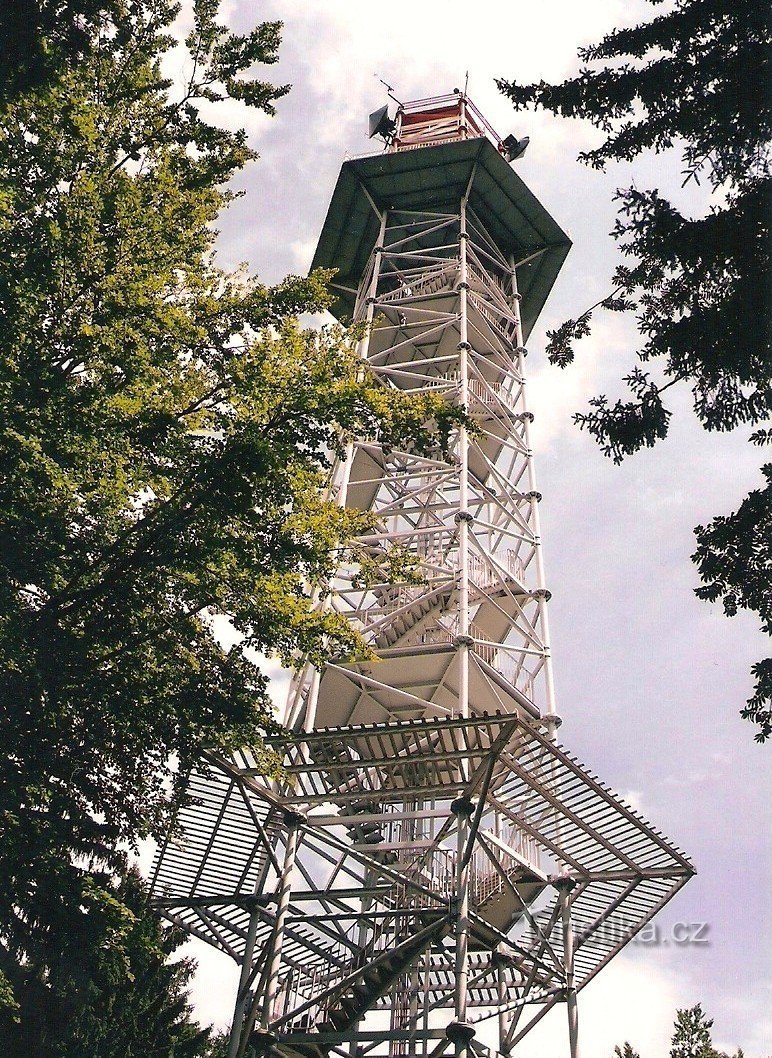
(165, 430)
(110, 989)
(695, 77)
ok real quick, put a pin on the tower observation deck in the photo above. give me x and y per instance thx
(433, 872)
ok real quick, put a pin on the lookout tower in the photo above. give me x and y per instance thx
(433, 872)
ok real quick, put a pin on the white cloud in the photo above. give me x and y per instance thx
(554, 395)
(631, 1003)
(303, 253)
(213, 989)
(634, 1003)
(633, 798)
(408, 42)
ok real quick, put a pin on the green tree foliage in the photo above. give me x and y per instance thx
(691, 1038)
(734, 557)
(165, 432)
(110, 989)
(695, 78)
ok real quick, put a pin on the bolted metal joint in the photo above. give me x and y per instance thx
(258, 900)
(463, 641)
(463, 285)
(542, 593)
(463, 807)
(460, 1032)
(292, 819)
(262, 1041)
(463, 516)
(463, 345)
(563, 882)
(533, 495)
(503, 956)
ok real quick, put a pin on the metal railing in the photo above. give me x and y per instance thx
(485, 575)
(501, 658)
(303, 988)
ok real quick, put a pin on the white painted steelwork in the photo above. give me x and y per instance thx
(431, 859)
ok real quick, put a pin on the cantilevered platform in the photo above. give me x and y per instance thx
(352, 787)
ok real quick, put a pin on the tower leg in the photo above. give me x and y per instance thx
(242, 995)
(285, 889)
(273, 966)
(458, 1031)
(568, 957)
(501, 995)
(573, 1024)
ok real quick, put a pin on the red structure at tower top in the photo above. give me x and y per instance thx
(440, 119)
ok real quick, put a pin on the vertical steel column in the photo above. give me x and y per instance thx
(372, 289)
(363, 349)
(285, 889)
(565, 888)
(368, 295)
(292, 821)
(242, 995)
(273, 965)
(459, 1032)
(551, 717)
(501, 996)
(311, 702)
(463, 517)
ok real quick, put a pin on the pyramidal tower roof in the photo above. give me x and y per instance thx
(437, 150)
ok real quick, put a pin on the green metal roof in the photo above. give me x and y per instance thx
(436, 178)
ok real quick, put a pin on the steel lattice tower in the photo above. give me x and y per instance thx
(432, 861)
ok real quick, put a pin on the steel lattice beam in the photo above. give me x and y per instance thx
(430, 851)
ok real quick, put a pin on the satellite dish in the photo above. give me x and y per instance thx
(515, 148)
(380, 124)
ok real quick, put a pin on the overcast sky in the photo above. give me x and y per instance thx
(649, 679)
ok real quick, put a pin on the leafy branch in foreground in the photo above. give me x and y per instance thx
(165, 432)
(693, 76)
